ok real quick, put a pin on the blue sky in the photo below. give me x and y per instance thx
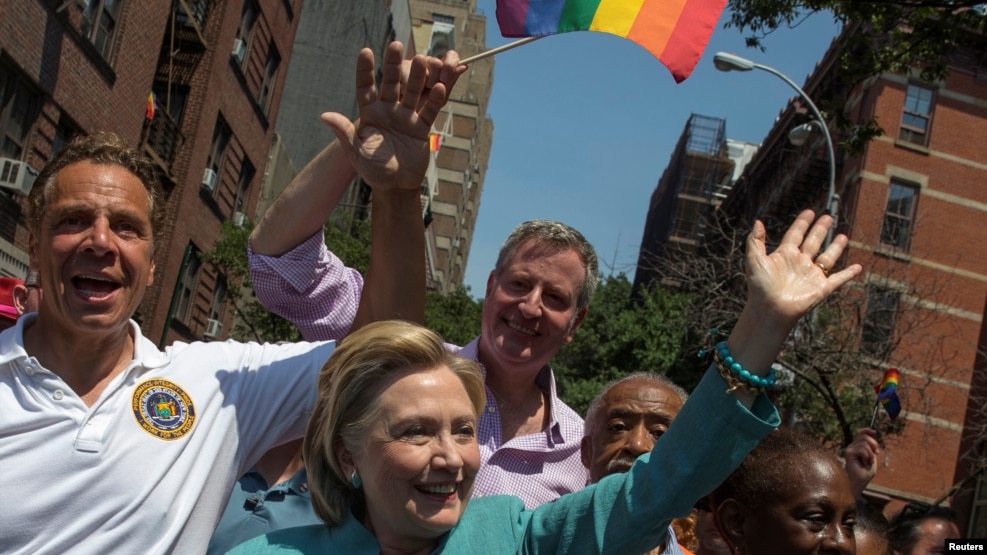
(585, 123)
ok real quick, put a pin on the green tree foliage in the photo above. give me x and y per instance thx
(253, 323)
(620, 337)
(912, 37)
(892, 36)
(455, 316)
(348, 240)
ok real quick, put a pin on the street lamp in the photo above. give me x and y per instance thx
(731, 62)
(800, 134)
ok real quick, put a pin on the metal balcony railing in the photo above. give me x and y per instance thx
(163, 140)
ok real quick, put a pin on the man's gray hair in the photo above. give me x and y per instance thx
(655, 380)
(558, 237)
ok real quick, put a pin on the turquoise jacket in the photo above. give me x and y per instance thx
(623, 513)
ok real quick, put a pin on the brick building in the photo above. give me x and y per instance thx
(216, 70)
(913, 204)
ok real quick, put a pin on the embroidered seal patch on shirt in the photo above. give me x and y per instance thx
(163, 409)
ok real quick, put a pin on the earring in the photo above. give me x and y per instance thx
(355, 480)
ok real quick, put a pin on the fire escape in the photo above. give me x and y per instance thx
(700, 173)
(182, 49)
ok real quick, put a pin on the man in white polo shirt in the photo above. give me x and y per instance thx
(108, 444)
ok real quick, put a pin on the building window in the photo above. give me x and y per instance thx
(10, 214)
(187, 284)
(65, 131)
(195, 17)
(170, 99)
(247, 21)
(442, 39)
(442, 18)
(19, 107)
(899, 216)
(878, 328)
(243, 33)
(164, 135)
(218, 299)
(217, 149)
(247, 172)
(270, 73)
(916, 117)
(99, 22)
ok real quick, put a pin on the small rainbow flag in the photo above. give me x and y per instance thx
(887, 393)
(152, 105)
(434, 142)
(675, 31)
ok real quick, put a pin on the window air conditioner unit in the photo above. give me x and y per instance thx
(209, 180)
(213, 329)
(239, 219)
(239, 49)
(16, 176)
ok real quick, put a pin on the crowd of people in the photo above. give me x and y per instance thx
(373, 435)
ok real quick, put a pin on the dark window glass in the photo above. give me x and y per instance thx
(19, 107)
(878, 328)
(186, 290)
(99, 22)
(896, 230)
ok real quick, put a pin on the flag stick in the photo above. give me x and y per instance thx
(498, 50)
(877, 407)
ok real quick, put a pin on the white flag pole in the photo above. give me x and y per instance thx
(498, 50)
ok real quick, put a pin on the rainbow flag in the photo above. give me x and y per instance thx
(434, 142)
(675, 31)
(887, 393)
(152, 105)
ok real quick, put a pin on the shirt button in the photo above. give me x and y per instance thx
(58, 394)
(29, 370)
(491, 409)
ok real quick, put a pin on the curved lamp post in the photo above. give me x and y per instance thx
(730, 62)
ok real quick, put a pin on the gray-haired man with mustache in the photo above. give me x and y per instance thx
(624, 421)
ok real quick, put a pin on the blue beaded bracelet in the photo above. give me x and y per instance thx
(739, 377)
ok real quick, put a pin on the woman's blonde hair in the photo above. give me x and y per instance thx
(350, 385)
